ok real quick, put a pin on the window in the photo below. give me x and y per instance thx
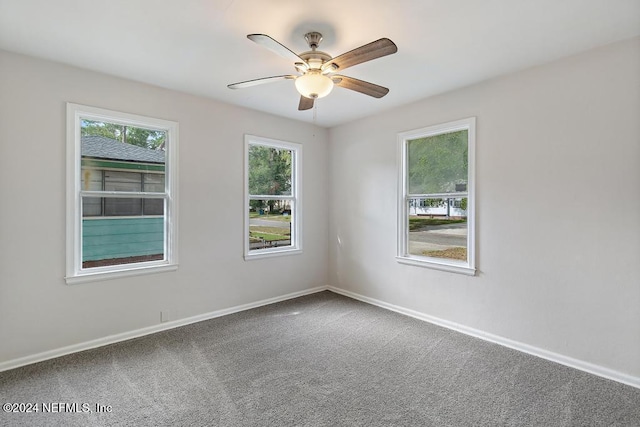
(122, 201)
(272, 197)
(436, 205)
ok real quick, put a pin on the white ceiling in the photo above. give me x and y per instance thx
(199, 46)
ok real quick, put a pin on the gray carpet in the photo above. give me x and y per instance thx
(319, 360)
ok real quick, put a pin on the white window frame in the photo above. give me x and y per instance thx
(464, 267)
(74, 272)
(295, 198)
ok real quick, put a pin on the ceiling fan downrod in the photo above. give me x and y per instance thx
(313, 39)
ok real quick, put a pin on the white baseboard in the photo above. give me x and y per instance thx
(111, 339)
(515, 345)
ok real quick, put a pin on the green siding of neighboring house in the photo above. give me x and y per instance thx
(108, 238)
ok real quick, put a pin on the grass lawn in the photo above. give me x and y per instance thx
(269, 234)
(268, 237)
(283, 218)
(451, 253)
(417, 222)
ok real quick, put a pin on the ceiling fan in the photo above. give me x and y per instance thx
(317, 69)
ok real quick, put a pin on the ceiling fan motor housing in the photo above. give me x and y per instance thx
(315, 58)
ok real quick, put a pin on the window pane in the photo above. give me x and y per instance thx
(270, 170)
(438, 227)
(438, 164)
(270, 223)
(113, 241)
(121, 151)
(122, 206)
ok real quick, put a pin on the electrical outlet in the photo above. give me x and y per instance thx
(165, 316)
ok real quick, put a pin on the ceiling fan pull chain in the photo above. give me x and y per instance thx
(315, 113)
(315, 116)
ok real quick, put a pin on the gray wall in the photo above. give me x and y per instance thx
(38, 311)
(558, 211)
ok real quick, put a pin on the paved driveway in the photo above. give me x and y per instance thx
(438, 237)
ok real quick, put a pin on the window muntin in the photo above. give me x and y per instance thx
(272, 207)
(436, 216)
(122, 194)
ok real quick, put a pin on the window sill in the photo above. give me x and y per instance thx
(428, 263)
(97, 276)
(269, 253)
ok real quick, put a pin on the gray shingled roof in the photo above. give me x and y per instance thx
(101, 147)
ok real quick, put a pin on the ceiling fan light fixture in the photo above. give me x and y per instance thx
(314, 85)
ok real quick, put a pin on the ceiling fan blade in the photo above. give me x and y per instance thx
(360, 86)
(274, 46)
(305, 103)
(255, 82)
(373, 50)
